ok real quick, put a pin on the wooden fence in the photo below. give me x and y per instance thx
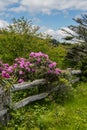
(5, 97)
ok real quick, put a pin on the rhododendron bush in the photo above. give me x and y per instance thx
(38, 65)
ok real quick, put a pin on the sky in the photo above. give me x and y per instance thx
(50, 15)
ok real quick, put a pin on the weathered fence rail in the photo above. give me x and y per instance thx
(28, 85)
(5, 97)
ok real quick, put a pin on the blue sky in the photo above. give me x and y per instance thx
(50, 15)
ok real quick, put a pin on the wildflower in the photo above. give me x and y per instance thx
(10, 69)
(52, 65)
(21, 72)
(20, 81)
(57, 71)
(5, 74)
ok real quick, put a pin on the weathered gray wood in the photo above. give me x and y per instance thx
(27, 100)
(73, 72)
(75, 80)
(4, 103)
(3, 112)
(30, 99)
(23, 86)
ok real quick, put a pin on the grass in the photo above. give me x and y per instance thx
(49, 115)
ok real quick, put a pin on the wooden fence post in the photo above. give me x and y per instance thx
(4, 103)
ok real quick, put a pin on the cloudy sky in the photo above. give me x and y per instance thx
(50, 15)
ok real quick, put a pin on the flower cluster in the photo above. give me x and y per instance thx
(5, 70)
(38, 65)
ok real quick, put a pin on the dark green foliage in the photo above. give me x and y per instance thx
(77, 58)
(64, 92)
(55, 42)
(68, 38)
(75, 55)
(83, 67)
(79, 51)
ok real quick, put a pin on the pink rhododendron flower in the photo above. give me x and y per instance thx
(1, 68)
(36, 66)
(10, 69)
(27, 64)
(28, 69)
(38, 60)
(6, 65)
(57, 71)
(5, 74)
(49, 71)
(21, 72)
(38, 54)
(32, 70)
(53, 64)
(21, 65)
(46, 56)
(20, 81)
(15, 65)
(32, 54)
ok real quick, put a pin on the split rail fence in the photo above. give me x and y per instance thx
(5, 97)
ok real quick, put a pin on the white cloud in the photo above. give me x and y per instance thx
(5, 3)
(58, 34)
(44, 6)
(3, 24)
(18, 9)
(47, 6)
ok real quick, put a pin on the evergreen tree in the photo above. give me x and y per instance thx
(79, 31)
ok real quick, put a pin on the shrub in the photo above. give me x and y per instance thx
(38, 65)
(64, 92)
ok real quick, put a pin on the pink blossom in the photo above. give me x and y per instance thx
(10, 69)
(57, 71)
(5, 74)
(49, 71)
(21, 65)
(37, 64)
(33, 70)
(38, 54)
(20, 81)
(27, 64)
(6, 65)
(32, 54)
(38, 60)
(52, 65)
(21, 72)
(28, 69)
(1, 68)
(16, 59)
(46, 56)
(15, 65)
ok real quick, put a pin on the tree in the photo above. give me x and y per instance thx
(79, 31)
(22, 26)
(77, 52)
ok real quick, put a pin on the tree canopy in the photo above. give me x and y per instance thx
(21, 26)
(79, 30)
